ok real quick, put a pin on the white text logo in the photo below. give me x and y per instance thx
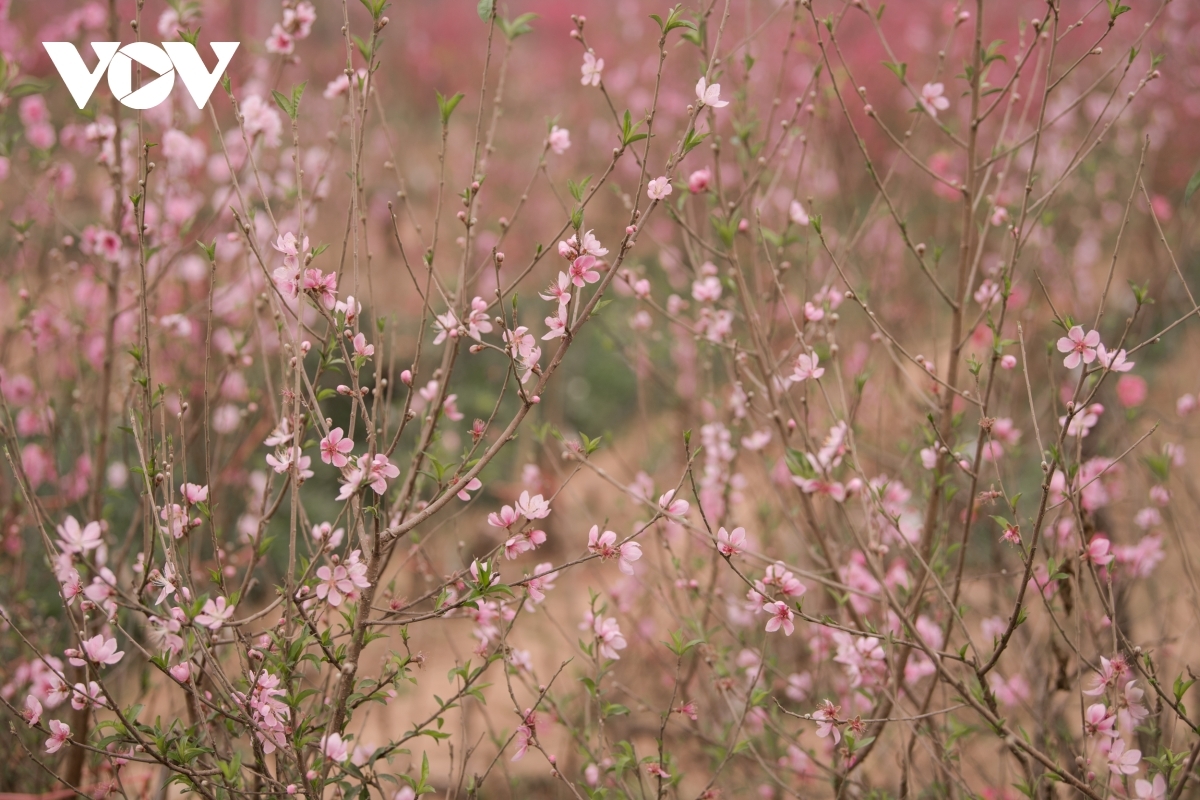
(163, 61)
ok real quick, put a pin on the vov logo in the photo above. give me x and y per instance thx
(163, 61)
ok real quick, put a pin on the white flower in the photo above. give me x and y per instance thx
(659, 188)
(797, 213)
(591, 69)
(709, 95)
(932, 99)
(559, 140)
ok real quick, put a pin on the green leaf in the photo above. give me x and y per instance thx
(446, 105)
(284, 103)
(1192, 186)
(517, 27)
(486, 8)
(692, 140)
(899, 70)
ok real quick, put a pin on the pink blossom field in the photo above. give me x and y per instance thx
(599, 399)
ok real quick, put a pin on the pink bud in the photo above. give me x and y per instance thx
(343, 389)
(631, 230)
(535, 399)
(181, 672)
(406, 377)
(305, 346)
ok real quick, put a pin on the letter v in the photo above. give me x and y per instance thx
(196, 77)
(80, 83)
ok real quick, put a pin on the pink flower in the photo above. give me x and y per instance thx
(523, 543)
(325, 536)
(556, 324)
(629, 552)
(1151, 791)
(781, 617)
(559, 140)
(1112, 671)
(1114, 361)
(605, 546)
(608, 637)
(1131, 390)
(757, 440)
(707, 289)
(532, 507)
(60, 734)
(477, 320)
(988, 293)
(335, 447)
(559, 291)
(655, 770)
(361, 348)
(194, 494)
(797, 214)
(33, 711)
(1097, 721)
(1098, 551)
(280, 42)
(215, 614)
(323, 287)
(1008, 362)
(472, 485)
(689, 710)
(335, 584)
(1185, 405)
(709, 95)
(74, 539)
(591, 69)
(506, 518)
(181, 672)
(806, 367)
(582, 272)
(1122, 761)
(827, 714)
(379, 471)
(699, 180)
(932, 100)
(86, 696)
(334, 748)
(779, 576)
(524, 734)
(672, 506)
(659, 188)
(729, 544)
(1079, 346)
(97, 650)
(541, 582)
(446, 325)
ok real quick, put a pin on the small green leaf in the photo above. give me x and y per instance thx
(1192, 186)
(899, 70)
(486, 8)
(446, 105)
